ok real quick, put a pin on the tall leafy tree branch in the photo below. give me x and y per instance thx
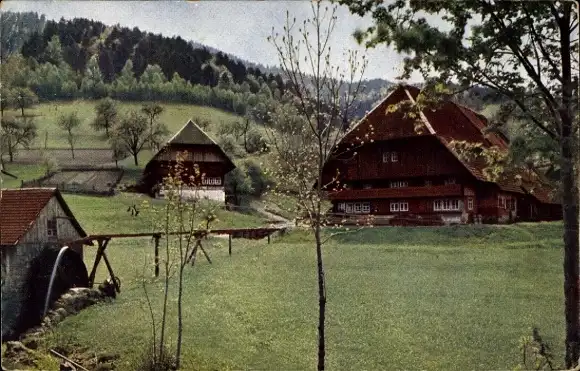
(524, 51)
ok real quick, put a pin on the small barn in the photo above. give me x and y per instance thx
(34, 224)
(201, 155)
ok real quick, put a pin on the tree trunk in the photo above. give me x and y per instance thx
(22, 110)
(568, 145)
(180, 311)
(321, 298)
(10, 154)
(136, 159)
(571, 246)
(107, 130)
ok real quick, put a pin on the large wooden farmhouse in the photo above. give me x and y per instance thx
(34, 224)
(403, 174)
(199, 151)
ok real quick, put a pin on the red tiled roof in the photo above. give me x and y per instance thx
(19, 209)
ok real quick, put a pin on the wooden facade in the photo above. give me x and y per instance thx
(35, 223)
(393, 166)
(205, 163)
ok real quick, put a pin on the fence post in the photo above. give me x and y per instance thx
(230, 244)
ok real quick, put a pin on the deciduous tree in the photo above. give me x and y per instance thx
(132, 132)
(70, 123)
(156, 129)
(525, 51)
(107, 113)
(15, 133)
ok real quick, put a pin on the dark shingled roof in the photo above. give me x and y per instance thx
(455, 122)
(19, 209)
(190, 133)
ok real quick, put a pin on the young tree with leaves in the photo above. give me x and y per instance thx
(16, 132)
(304, 139)
(525, 51)
(190, 218)
(107, 113)
(70, 123)
(132, 132)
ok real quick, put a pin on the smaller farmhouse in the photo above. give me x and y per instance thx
(34, 224)
(199, 151)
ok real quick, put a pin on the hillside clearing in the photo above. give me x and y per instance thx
(174, 116)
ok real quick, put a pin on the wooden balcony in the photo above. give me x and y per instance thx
(406, 192)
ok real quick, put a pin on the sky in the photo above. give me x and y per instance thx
(240, 28)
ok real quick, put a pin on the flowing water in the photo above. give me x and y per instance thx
(54, 268)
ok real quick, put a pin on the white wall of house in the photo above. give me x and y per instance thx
(16, 260)
(211, 193)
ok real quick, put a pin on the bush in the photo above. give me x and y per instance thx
(255, 142)
(150, 361)
(259, 181)
(230, 146)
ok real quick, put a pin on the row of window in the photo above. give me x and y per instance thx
(390, 156)
(355, 207)
(404, 183)
(402, 206)
(211, 181)
(504, 202)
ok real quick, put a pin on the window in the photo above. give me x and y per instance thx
(399, 206)
(446, 205)
(212, 181)
(394, 157)
(399, 184)
(386, 156)
(355, 207)
(501, 202)
(450, 181)
(51, 228)
(366, 207)
(470, 203)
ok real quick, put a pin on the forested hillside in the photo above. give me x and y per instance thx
(82, 58)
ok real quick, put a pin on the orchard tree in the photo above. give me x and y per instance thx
(305, 138)
(24, 98)
(157, 130)
(107, 113)
(132, 132)
(15, 133)
(525, 51)
(70, 123)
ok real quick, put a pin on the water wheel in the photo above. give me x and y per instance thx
(71, 272)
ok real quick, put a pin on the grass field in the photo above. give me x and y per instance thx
(450, 298)
(174, 116)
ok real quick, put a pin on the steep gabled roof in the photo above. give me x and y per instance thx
(19, 209)
(192, 134)
(448, 122)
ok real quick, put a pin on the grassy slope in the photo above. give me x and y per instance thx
(399, 298)
(174, 116)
